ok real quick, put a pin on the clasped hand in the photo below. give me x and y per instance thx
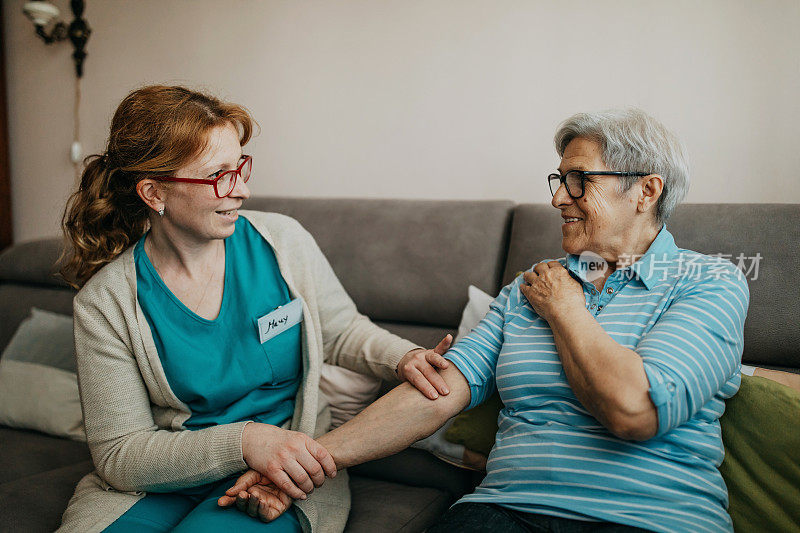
(286, 465)
(551, 289)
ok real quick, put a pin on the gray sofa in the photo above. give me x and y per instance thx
(407, 265)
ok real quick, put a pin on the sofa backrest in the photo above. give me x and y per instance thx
(406, 260)
(26, 280)
(772, 335)
(406, 263)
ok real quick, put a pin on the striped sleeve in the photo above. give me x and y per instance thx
(476, 354)
(696, 345)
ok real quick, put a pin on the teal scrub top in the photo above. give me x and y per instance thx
(218, 367)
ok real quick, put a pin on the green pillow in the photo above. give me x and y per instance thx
(475, 429)
(761, 433)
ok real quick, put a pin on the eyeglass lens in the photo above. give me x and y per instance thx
(572, 180)
(227, 180)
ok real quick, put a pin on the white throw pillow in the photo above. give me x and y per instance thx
(348, 392)
(38, 386)
(476, 309)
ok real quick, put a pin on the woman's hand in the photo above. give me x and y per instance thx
(418, 367)
(294, 462)
(550, 289)
(255, 495)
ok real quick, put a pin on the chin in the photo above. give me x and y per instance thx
(571, 247)
(224, 233)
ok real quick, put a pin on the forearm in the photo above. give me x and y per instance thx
(162, 461)
(395, 421)
(607, 378)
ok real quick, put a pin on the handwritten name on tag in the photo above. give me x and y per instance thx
(279, 320)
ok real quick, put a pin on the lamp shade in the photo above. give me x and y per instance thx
(40, 13)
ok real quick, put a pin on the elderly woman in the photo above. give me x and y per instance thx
(613, 378)
(200, 330)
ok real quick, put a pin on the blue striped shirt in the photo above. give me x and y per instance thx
(683, 313)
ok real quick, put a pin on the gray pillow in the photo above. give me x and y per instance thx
(38, 385)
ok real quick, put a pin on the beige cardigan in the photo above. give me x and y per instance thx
(134, 421)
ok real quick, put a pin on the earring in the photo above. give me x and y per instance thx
(161, 212)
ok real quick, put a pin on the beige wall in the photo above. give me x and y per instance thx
(422, 99)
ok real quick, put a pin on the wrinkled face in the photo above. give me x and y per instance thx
(192, 209)
(603, 219)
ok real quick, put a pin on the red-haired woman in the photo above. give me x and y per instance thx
(200, 330)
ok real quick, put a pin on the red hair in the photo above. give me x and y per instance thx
(155, 130)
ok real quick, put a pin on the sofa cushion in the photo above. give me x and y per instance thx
(36, 502)
(384, 507)
(26, 453)
(418, 468)
(761, 467)
(771, 230)
(406, 260)
(38, 385)
(19, 298)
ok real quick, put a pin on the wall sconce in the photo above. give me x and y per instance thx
(42, 13)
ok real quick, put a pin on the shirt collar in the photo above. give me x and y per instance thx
(662, 248)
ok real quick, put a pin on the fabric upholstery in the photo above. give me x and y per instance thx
(26, 453)
(35, 503)
(384, 507)
(773, 230)
(406, 260)
(419, 468)
(762, 466)
(19, 298)
(44, 338)
(426, 336)
(32, 262)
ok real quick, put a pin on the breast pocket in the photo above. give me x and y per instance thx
(284, 354)
(279, 333)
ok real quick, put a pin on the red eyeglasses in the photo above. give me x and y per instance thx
(225, 182)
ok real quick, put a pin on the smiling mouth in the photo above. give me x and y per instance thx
(570, 220)
(229, 212)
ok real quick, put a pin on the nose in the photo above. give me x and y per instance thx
(240, 189)
(561, 197)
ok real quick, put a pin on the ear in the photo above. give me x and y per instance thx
(152, 193)
(651, 188)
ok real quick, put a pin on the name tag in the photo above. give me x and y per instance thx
(280, 320)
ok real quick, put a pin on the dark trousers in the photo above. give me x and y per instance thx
(490, 518)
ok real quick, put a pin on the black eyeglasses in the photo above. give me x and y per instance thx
(575, 180)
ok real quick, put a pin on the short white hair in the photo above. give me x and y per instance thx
(633, 141)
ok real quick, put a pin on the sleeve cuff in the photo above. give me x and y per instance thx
(477, 392)
(394, 355)
(662, 393)
(226, 448)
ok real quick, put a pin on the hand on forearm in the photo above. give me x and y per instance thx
(396, 420)
(291, 460)
(392, 423)
(419, 367)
